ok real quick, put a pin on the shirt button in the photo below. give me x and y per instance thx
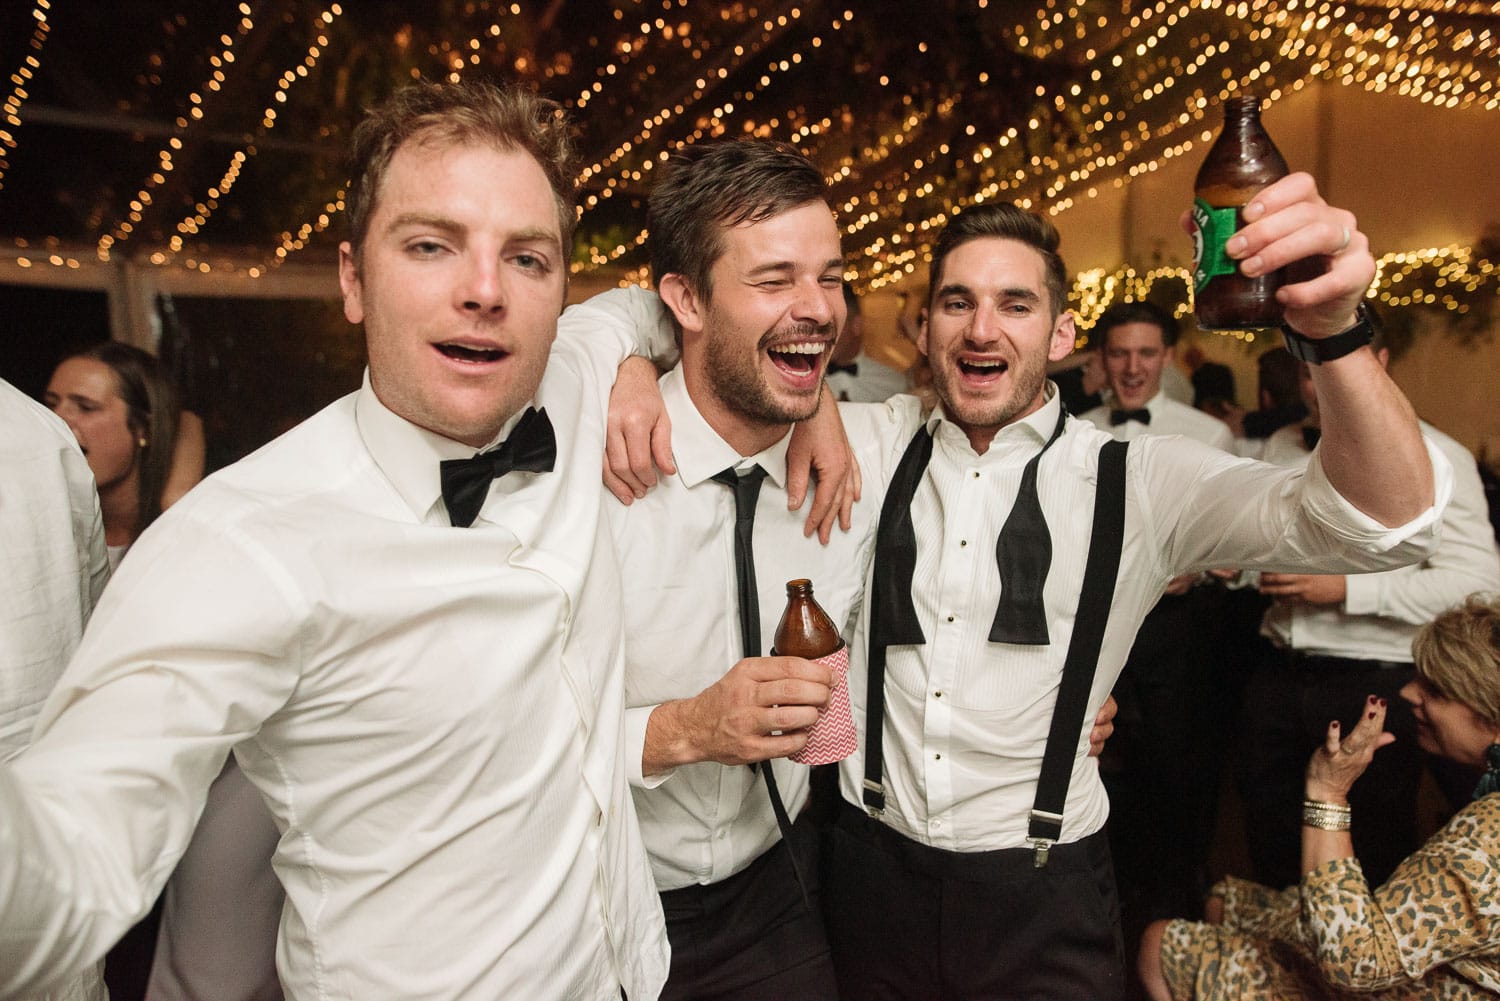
(937, 694)
(937, 757)
(723, 835)
(976, 474)
(962, 543)
(950, 618)
(937, 825)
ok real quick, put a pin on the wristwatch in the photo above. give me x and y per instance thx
(1317, 350)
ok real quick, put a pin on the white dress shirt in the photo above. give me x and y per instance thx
(966, 719)
(1382, 612)
(705, 822)
(873, 383)
(52, 555)
(52, 569)
(1167, 417)
(433, 714)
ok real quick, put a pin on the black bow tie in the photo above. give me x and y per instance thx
(1310, 437)
(1023, 556)
(1118, 417)
(852, 368)
(531, 447)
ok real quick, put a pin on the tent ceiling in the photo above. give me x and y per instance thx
(185, 133)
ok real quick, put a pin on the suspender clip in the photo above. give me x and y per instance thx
(1042, 824)
(878, 791)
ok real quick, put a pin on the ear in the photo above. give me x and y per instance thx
(683, 301)
(922, 331)
(349, 284)
(1064, 334)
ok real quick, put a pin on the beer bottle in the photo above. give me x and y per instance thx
(1241, 162)
(805, 630)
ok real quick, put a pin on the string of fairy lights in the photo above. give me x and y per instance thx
(22, 76)
(1105, 91)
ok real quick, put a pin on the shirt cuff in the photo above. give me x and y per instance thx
(1330, 508)
(635, 746)
(1362, 594)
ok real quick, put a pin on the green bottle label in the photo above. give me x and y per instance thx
(1212, 229)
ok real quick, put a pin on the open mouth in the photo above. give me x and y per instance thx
(474, 356)
(983, 368)
(800, 359)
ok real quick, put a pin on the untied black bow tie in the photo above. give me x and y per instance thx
(531, 447)
(852, 368)
(1118, 417)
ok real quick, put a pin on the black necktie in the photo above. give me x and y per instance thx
(746, 489)
(531, 447)
(852, 368)
(746, 492)
(1117, 417)
(1310, 437)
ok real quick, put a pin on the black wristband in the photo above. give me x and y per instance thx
(1317, 350)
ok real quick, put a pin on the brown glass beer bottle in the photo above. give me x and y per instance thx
(1241, 162)
(805, 630)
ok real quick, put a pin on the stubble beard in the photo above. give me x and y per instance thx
(736, 379)
(982, 414)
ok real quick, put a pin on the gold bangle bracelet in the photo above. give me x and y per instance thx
(1325, 816)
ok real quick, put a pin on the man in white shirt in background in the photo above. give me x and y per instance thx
(1158, 764)
(1336, 639)
(52, 570)
(1137, 342)
(853, 375)
(419, 669)
(937, 881)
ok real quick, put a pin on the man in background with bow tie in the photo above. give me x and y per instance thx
(412, 650)
(1167, 691)
(1137, 342)
(1334, 639)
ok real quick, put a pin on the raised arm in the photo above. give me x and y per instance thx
(820, 451)
(1372, 450)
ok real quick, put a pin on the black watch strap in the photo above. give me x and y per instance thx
(1317, 350)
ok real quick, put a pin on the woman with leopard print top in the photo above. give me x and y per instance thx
(1432, 931)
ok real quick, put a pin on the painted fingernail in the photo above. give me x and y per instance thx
(1382, 703)
(1334, 725)
(1372, 700)
(1371, 716)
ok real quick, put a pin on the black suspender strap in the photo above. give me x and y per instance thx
(1095, 599)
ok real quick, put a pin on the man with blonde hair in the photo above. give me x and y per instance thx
(409, 647)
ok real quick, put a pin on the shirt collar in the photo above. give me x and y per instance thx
(1036, 426)
(408, 455)
(697, 448)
